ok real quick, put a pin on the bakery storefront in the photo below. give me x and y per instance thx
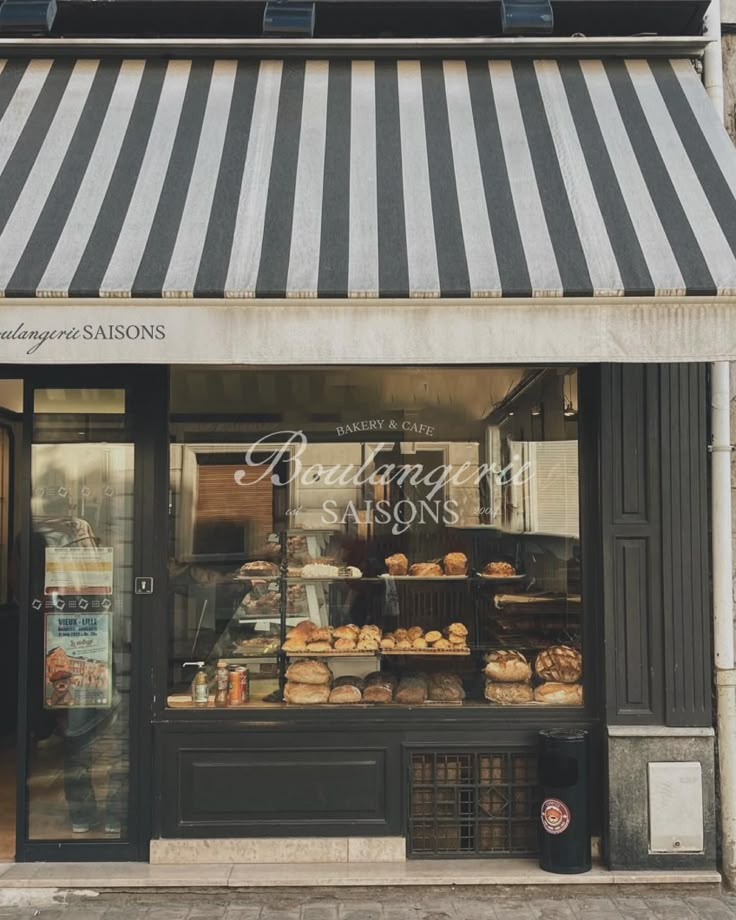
(360, 421)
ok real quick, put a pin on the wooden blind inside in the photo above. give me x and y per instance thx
(221, 498)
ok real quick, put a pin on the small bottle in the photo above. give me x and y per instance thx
(221, 684)
(201, 688)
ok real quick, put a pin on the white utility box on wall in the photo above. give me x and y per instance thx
(675, 807)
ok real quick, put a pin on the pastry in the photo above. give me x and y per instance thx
(499, 568)
(414, 633)
(559, 694)
(379, 687)
(345, 645)
(294, 645)
(426, 570)
(508, 693)
(457, 629)
(446, 688)
(412, 690)
(507, 665)
(302, 630)
(388, 642)
(368, 644)
(559, 663)
(457, 641)
(306, 693)
(455, 564)
(442, 643)
(397, 564)
(432, 636)
(370, 630)
(419, 642)
(309, 671)
(259, 569)
(404, 643)
(346, 632)
(319, 646)
(323, 634)
(400, 634)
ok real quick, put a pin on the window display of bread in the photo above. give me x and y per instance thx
(433, 636)
(379, 687)
(404, 643)
(260, 569)
(368, 644)
(309, 671)
(414, 632)
(507, 666)
(400, 634)
(294, 645)
(559, 694)
(508, 693)
(397, 564)
(442, 644)
(426, 570)
(413, 689)
(455, 564)
(419, 642)
(370, 630)
(345, 645)
(504, 569)
(457, 641)
(306, 693)
(388, 643)
(446, 688)
(321, 634)
(560, 663)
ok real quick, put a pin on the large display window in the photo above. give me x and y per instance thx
(374, 536)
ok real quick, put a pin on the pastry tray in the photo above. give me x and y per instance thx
(426, 651)
(502, 578)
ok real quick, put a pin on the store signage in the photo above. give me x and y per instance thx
(435, 483)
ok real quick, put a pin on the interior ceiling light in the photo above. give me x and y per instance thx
(27, 17)
(527, 17)
(288, 19)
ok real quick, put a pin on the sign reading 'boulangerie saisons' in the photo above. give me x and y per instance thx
(272, 451)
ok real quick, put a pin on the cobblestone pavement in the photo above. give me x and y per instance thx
(392, 904)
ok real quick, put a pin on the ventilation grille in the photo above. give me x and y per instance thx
(473, 804)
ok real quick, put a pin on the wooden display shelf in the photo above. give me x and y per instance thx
(450, 653)
(335, 653)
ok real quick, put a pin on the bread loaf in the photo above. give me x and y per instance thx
(319, 646)
(508, 693)
(499, 568)
(412, 690)
(302, 630)
(306, 693)
(507, 665)
(346, 693)
(350, 680)
(457, 629)
(379, 687)
(560, 663)
(322, 634)
(446, 688)
(432, 636)
(415, 632)
(345, 645)
(346, 632)
(558, 694)
(426, 570)
(455, 564)
(397, 564)
(294, 645)
(309, 671)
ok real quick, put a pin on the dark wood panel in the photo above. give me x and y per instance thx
(288, 784)
(633, 618)
(630, 445)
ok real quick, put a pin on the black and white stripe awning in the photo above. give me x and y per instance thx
(225, 178)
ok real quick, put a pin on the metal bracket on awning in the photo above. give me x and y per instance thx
(527, 17)
(288, 19)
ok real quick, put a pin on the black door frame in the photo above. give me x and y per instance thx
(146, 401)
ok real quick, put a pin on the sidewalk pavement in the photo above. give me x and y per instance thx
(385, 904)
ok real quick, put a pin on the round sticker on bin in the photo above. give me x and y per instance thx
(555, 816)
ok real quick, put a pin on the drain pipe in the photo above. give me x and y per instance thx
(723, 624)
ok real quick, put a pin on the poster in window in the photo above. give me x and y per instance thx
(78, 661)
(80, 570)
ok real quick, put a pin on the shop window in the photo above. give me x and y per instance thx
(405, 536)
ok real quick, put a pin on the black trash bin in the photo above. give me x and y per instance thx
(564, 777)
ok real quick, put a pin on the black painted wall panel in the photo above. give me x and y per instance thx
(655, 559)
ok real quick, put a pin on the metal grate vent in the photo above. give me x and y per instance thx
(473, 804)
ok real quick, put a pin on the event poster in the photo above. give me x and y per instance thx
(78, 570)
(78, 661)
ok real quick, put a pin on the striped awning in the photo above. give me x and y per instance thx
(270, 179)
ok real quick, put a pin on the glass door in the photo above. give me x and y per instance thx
(84, 691)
